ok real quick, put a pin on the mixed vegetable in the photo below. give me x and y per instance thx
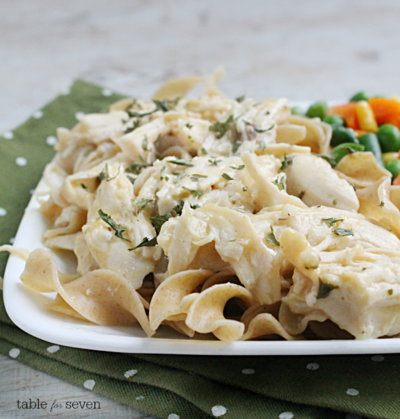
(363, 124)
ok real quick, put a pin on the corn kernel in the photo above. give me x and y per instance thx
(366, 117)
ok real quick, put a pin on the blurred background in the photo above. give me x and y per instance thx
(305, 50)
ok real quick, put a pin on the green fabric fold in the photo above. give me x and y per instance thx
(189, 386)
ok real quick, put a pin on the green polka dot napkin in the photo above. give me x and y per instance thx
(173, 387)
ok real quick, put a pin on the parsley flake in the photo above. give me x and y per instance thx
(331, 221)
(271, 238)
(118, 229)
(240, 99)
(203, 150)
(241, 167)
(104, 174)
(189, 125)
(194, 192)
(181, 163)
(145, 144)
(280, 183)
(324, 289)
(221, 128)
(214, 162)
(145, 243)
(226, 176)
(136, 168)
(264, 130)
(142, 202)
(196, 176)
(85, 187)
(262, 145)
(236, 146)
(382, 204)
(287, 161)
(343, 232)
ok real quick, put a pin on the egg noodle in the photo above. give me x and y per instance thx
(219, 216)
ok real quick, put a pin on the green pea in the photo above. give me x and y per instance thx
(318, 109)
(389, 138)
(344, 149)
(359, 96)
(342, 135)
(335, 121)
(296, 110)
(371, 143)
(394, 168)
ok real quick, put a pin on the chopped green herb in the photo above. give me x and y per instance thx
(136, 168)
(353, 186)
(145, 144)
(264, 130)
(159, 220)
(179, 176)
(390, 292)
(221, 128)
(280, 183)
(161, 172)
(135, 124)
(194, 192)
(194, 206)
(271, 238)
(226, 176)
(142, 202)
(328, 158)
(85, 187)
(118, 229)
(287, 161)
(178, 208)
(145, 243)
(363, 269)
(162, 105)
(189, 125)
(245, 188)
(214, 162)
(203, 150)
(195, 175)
(131, 179)
(236, 146)
(166, 178)
(343, 232)
(240, 99)
(262, 145)
(381, 204)
(241, 167)
(181, 163)
(331, 221)
(105, 175)
(324, 289)
(334, 202)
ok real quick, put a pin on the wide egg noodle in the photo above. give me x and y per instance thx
(101, 296)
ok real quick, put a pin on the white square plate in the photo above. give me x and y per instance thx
(27, 309)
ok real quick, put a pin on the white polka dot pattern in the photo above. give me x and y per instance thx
(8, 135)
(53, 349)
(12, 240)
(89, 384)
(219, 410)
(3, 212)
(21, 161)
(38, 115)
(352, 392)
(248, 371)
(51, 140)
(312, 366)
(286, 415)
(130, 373)
(173, 416)
(14, 352)
(378, 358)
(79, 115)
(106, 92)
(140, 398)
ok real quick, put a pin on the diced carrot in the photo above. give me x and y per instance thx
(386, 111)
(397, 180)
(348, 113)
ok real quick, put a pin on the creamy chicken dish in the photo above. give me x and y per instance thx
(219, 216)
